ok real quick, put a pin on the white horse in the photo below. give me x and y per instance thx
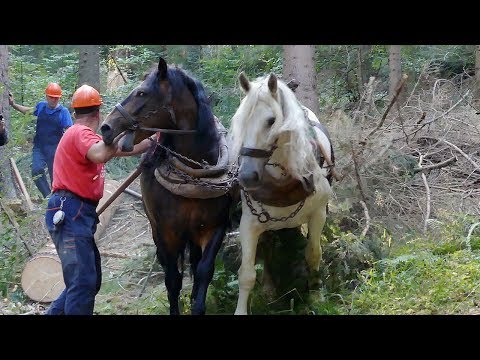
(286, 161)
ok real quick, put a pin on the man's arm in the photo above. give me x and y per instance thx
(139, 148)
(101, 153)
(23, 109)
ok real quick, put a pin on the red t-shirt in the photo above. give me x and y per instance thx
(72, 170)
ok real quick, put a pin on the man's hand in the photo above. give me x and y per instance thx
(10, 99)
(2, 126)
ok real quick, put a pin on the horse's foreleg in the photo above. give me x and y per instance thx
(313, 251)
(246, 274)
(204, 271)
(173, 281)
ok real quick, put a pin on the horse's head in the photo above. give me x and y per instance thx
(147, 108)
(256, 127)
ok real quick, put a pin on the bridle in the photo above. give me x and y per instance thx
(135, 125)
(258, 153)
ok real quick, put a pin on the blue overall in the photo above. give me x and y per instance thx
(51, 124)
(75, 245)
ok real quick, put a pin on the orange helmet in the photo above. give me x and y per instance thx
(53, 90)
(86, 96)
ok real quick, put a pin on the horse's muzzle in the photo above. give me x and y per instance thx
(249, 180)
(107, 134)
(126, 142)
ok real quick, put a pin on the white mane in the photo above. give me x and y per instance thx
(291, 127)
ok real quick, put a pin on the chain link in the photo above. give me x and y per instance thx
(188, 179)
(203, 166)
(264, 216)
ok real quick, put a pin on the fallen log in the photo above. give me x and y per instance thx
(21, 184)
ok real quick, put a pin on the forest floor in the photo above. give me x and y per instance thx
(132, 279)
(129, 266)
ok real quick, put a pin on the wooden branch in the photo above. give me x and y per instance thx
(394, 99)
(328, 161)
(120, 189)
(146, 279)
(133, 193)
(20, 182)
(441, 115)
(120, 71)
(467, 240)
(357, 175)
(427, 188)
(115, 255)
(476, 166)
(367, 219)
(435, 166)
(11, 217)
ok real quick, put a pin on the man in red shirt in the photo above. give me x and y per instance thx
(71, 218)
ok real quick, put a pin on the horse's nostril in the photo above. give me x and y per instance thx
(255, 176)
(105, 129)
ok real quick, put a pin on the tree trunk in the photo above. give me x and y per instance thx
(477, 74)
(7, 187)
(395, 65)
(299, 64)
(193, 57)
(363, 68)
(89, 66)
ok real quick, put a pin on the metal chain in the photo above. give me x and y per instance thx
(203, 166)
(229, 182)
(264, 216)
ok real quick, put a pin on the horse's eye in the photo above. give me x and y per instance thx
(141, 93)
(270, 121)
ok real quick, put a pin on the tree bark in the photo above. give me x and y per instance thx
(395, 65)
(7, 187)
(477, 74)
(299, 64)
(363, 67)
(89, 66)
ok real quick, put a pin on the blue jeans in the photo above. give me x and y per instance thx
(78, 253)
(43, 157)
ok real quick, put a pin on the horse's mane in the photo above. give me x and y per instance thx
(207, 136)
(297, 153)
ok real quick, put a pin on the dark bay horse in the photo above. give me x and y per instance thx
(185, 180)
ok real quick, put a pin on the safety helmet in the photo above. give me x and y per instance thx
(86, 96)
(53, 90)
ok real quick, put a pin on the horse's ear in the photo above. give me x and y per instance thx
(162, 68)
(244, 83)
(272, 84)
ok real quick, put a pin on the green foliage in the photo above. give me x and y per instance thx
(223, 290)
(421, 283)
(12, 257)
(28, 80)
(221, 65)
(119, 168)
(8, 255)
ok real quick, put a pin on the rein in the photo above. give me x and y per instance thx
(134, 124)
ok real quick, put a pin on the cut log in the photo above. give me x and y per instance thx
(106, 215)
(42, 277)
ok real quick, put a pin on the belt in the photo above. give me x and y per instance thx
(68, 193)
